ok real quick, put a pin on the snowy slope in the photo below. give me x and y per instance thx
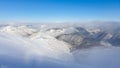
(40, 44)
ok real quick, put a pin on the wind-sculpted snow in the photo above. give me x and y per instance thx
(60, 46)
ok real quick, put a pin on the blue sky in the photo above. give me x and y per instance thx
(59, 10)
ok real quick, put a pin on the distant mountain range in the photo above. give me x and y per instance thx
(56, 40)
(78, 35)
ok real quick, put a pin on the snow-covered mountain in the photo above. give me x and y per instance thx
(72, 45)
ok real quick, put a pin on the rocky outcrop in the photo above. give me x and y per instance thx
(82, 39)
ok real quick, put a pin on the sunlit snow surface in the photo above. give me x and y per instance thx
(37, 47)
